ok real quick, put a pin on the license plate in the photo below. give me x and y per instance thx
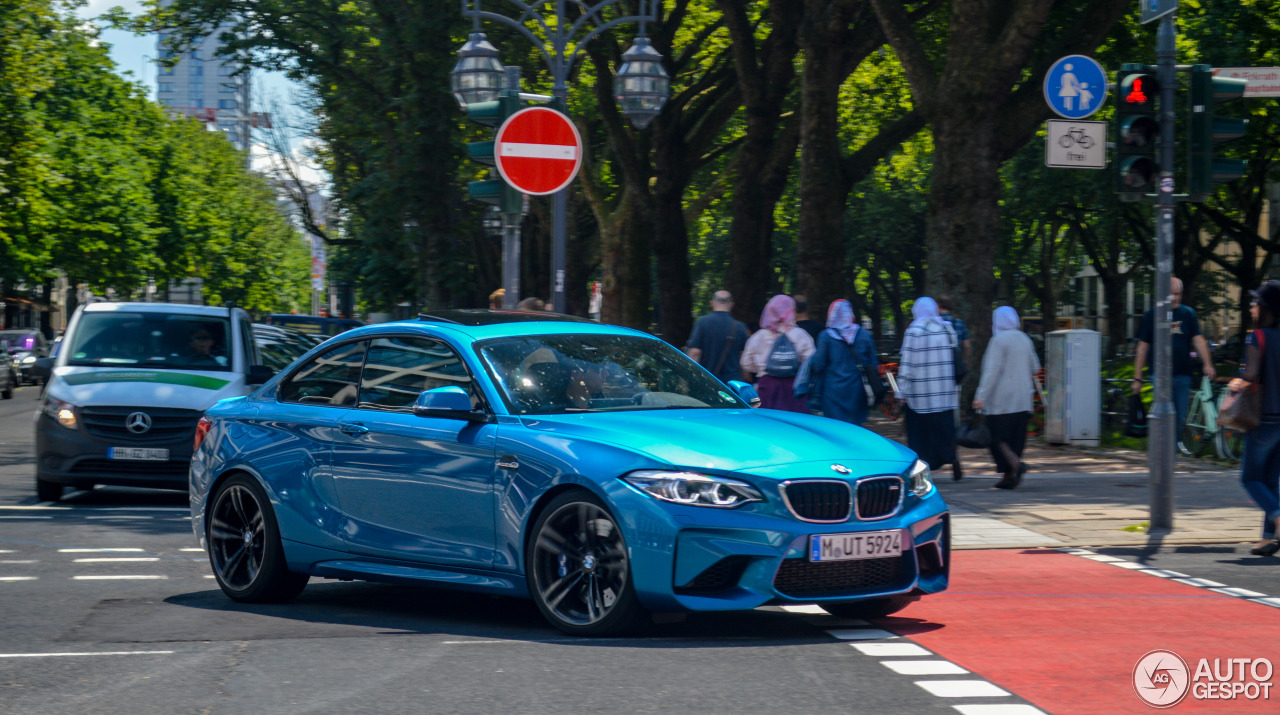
(864, 545)
(140, 454)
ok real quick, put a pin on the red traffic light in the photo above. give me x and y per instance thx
(1138, 92)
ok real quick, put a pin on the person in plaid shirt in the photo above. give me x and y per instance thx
(927, 381)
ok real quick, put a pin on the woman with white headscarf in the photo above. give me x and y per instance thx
(927, 381)
(834, 372)
(1009, 370)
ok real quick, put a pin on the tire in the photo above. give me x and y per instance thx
(1230, 443)
(48, 491)
(871, 608)
(244, 545)
(576, 561)
(1194, 431)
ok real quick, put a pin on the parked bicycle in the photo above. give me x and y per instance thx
(892, 406)
(1201, 426)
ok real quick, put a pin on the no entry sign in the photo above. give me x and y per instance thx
(538, 151)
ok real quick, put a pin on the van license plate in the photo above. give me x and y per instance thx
(846, 547)
(141, 454)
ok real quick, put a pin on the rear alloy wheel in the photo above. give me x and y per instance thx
(244, 545)
(870, 608)
(579, 571)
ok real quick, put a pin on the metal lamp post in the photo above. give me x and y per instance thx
(641, 86)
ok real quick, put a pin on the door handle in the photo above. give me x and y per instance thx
(353, 428)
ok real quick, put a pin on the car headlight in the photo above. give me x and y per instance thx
(28, 359)
(694, 489)
(921, 478)
(64, 413)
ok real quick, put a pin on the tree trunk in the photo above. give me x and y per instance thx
(1113, 291)
(625, 258)
(671, 251)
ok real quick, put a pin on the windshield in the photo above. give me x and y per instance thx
(547, 374)
(19, 341)
(156, 340)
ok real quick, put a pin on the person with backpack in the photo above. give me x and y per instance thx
(927, 381)
(717, 340)
(845, 353)
(774, 353)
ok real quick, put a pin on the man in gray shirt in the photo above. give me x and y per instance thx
(718, 339)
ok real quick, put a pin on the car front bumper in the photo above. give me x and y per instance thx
(76, 457)
(700, 559)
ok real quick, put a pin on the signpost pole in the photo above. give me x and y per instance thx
(1164, 417)
(511, 229)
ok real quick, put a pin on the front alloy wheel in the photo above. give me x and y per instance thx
(244, 545)
(579, 572)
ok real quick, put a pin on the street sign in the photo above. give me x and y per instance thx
(1263, 81)
(1075, 86)
(538, 151)
(1075, 144)
(1156, 9)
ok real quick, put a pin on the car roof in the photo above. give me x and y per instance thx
(181, 308)
(479, 327)
(482, 316)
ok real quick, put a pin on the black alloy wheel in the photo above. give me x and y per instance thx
(579, 572)
(870, 608)
(244, 545)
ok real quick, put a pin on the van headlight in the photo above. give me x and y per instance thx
(920, 478)
(64, 413)
(692, 489)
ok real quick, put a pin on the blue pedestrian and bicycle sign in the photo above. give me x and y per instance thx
(1075, 86)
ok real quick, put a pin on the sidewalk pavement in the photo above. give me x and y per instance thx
(1074, 497)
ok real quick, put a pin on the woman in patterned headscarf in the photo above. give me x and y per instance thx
(834, 373)
(777, 391)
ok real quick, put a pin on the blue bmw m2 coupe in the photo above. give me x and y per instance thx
(592, 468)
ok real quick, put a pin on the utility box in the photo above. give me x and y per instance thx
(1073, 387)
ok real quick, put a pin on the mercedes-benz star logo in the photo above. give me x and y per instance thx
(138, 422)
(839, 469)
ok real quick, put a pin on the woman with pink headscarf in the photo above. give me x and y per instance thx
(776, 390)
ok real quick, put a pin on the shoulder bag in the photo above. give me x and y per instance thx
(872, 385)
(1242, 410)
(974, 432)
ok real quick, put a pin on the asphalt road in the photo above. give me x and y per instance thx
(109, 607)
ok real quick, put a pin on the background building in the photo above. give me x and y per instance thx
(215, 91)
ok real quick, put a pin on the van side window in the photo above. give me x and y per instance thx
(331, 378)
(398, 369)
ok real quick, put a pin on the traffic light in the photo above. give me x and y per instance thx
(1137, 130)
(493, 191)
(1206, 130)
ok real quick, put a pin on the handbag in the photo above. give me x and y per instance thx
(974, 432)
(1136, 419)
(872, 386)
(1241, 410)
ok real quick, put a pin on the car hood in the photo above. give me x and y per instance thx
(183, 389)
(729, 440)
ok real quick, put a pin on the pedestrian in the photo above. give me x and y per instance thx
(495, 299)
(804, 322)
(927, 382)
(530, 304)
(835, 372)
(717, 340)
(1260, 467)
(1184, 329)
(775, 364)
(1005, 392)
(958, 325)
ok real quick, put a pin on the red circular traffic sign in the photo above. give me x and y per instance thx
(538, 151)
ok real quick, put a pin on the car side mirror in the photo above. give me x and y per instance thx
(746, 392)
(258, 374)
(43, 368)
(449, 403)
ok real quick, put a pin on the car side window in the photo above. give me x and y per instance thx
(331, 378)
(399, 368)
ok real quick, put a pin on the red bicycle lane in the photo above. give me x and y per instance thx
(1066, 633)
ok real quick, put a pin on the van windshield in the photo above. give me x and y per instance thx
(157, 340)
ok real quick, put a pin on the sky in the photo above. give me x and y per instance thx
(134, 57)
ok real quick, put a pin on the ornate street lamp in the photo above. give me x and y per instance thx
(477, 77)
(642, 85)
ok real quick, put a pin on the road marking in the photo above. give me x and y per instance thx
(924, 667)
(1128, 565)
(862, 634)
(1271, 601)
(1240, 592)
(1100, 557)
(36, 561)
(998, 709)
(1164, 573)
(7, 516)
(99, 551)
(6, 551)
(200, 550)
(816, 610)
(470, 642)
(118, 578)
(76, 655)
(120, 516)
(1200, 582)
(18, 578)
(37, 507)
(882, 650)
(115, 560)
(962, 688)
